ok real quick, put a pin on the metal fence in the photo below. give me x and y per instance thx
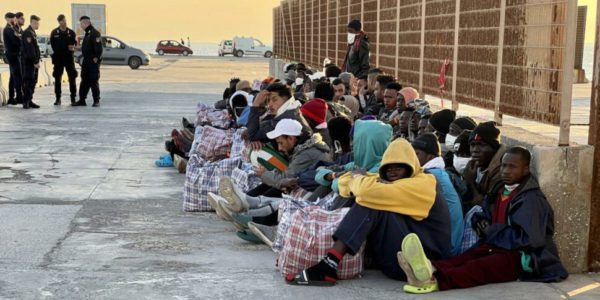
(502, 55)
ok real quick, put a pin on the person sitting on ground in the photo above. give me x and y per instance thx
(315, 113)
(357, 56)
(332, 71)
(462, 156)
(456, 128)
(347, 78)
(375, 104)
(222, 104)
(428, 151)
(280, 105)
(342, 96)
(439, 124)
(409, 94)
(482, 173)
(325, 91)
(424, 123)
(366, 89)
(389, 113)
(516, 242)
(398, 200)
(402, 130)
(303, 150)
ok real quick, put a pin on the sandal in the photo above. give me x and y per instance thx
(413, 252)
(425, 289)
(302, 279)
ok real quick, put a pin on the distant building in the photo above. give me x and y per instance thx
(96, 12)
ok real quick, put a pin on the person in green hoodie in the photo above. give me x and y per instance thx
(390, 204)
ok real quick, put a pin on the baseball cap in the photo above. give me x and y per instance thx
(287, 127)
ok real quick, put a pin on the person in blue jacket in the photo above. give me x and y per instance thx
(428, 151)
(516, 230)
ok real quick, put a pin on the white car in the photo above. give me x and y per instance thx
(44, 44)
(225, 47)
(250, 46)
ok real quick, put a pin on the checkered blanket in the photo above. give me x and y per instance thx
(203, 177)
(215, 144)
(470, 236)
(308, 239)
(245, 178)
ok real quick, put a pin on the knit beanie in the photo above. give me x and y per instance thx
(427, 143)
(355, 24)
(463, 123)
(315, 110)
(486, 133)
(441, 120)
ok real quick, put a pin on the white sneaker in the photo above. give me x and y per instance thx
(215, 202)
(236, 199)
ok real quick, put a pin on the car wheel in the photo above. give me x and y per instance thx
(161, 52)
(135, 62)
(268, 54)
(185, 53)
(239, 53)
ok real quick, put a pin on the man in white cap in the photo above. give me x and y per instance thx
(303, 151)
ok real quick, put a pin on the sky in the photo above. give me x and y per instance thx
(153, 20)
(201, 20)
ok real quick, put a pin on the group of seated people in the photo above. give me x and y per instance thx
(430, 198)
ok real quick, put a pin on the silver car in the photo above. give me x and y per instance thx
(117, 52)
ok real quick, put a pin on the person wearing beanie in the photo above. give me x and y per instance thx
(456, 128)
(440, 122)
(399, 199)
(357, 56)
(428, 151)
(482, 173)
(315, 113)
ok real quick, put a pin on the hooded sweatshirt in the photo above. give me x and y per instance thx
(371, 139)
(413, 196)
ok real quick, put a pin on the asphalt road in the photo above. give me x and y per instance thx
(84, 213)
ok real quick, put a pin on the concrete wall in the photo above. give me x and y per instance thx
(565, 175)
(44, 79)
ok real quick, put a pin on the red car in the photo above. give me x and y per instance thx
(172, 47)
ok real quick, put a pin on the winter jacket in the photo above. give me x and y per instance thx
(30, 50)
(303, 157)
(357, 62)
(373, 106)
(258, 129)
(490, 179)
(12, 41)
(529, 228)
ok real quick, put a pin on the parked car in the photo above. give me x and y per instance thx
(44, 44)
(250, 46)
(117, 52)
(173, 47)
(225, 47)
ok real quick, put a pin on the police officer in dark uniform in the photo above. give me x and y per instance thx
(63, 41)
(31, 62)
(12, 51)
(91, 49)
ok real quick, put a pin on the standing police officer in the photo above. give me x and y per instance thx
(63, 41)
(12, 51)
(31, 62)
(91, 48)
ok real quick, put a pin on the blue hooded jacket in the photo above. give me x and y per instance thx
(454, 207)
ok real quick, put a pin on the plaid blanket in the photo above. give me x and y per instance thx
(202, 178)
(308, 239)
(470, 236)
(215, 144)
(245, 178)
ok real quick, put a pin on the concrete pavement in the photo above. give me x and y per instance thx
(84, 213)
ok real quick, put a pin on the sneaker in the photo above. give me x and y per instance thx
(267, 234)
(180, 163)
(236, 199)
(214, 201)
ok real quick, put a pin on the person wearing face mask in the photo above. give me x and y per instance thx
(357, 57)
(428, 152)
(461, 157)
(456, 128)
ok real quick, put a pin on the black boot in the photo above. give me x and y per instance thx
(79, 103)
(26, 105)
(73, 100)
(12, 101)
(33, 105)
(96, 103)
(57, 100)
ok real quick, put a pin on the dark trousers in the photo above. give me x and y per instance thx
(383, 233)
(90, 75)
(481, 265)
(15, 84)
(267, 191)
(60, 65)
(30, 78)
